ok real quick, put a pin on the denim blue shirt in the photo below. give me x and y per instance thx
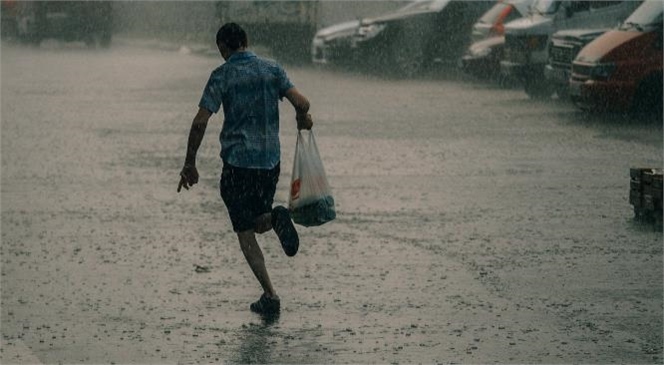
(249, 88)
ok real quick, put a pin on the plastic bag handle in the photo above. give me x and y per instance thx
(297, 143)
(312, 139)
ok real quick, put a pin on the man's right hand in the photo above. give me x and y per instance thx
(188, 177)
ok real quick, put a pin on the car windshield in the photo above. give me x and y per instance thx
(492, 15)
(546, 6)
(648, 15)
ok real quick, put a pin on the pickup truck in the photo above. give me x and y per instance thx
(564, 47)
(87, 21)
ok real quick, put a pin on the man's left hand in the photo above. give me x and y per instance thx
(304, 121)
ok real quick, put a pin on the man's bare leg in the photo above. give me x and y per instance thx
(252, 252)
(263, 223)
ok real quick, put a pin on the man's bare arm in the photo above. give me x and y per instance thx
(301, 105)
(189, 174)
(196, 134)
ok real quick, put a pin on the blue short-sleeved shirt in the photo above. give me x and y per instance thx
(249, 88)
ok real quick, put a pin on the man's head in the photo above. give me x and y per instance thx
(231, 38)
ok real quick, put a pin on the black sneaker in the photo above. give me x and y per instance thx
(266, 306)
(283, 226)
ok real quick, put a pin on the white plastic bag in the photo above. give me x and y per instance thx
(310, 202)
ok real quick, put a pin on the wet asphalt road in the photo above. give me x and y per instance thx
(474, 225)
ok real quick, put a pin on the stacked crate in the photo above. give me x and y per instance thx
(645, 194)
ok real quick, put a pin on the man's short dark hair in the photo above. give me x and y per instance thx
(232, 35)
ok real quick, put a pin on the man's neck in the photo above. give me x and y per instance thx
(239, 50)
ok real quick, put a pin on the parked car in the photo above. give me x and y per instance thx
(88, 21)
(563, 48)
(526, 39)
(418, 35)
(622, 69)
(482, 58)
(333, 44)
(492, 22)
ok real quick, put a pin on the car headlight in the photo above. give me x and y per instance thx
(480, 51)
(602, 71)
(371, 30)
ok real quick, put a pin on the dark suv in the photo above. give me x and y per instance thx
(87, 21)
(414, 37)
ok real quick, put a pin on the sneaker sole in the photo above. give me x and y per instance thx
(285, 230)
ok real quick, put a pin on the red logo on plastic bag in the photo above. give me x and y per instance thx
(295, 189)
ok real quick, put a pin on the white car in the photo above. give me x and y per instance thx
(333, 44)
(491, 24)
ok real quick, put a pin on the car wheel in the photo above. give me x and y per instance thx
(537, 88)
(648, 97)
(579, 104)
(105, 40)
(505, 82)
(563, 92)
(407, 55)
(27, 32)
(32, 39)
(90, 40)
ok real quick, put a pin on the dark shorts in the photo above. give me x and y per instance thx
(247, 193)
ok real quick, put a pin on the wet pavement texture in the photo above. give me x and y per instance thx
(474, 225)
